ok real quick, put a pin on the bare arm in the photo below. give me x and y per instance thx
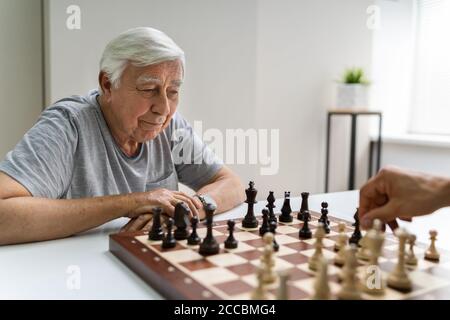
(398, 193)
(226, 189)
(24, 218)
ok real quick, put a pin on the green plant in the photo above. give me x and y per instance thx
(354, 76)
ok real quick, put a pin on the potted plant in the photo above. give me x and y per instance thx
(353, 90)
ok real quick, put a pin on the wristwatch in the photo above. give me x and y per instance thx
(206, 199)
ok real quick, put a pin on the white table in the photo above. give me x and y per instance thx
(43, 270)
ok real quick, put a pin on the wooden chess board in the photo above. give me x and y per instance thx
(182, 273)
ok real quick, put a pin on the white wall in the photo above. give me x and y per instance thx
(250, 64)
(20, 69)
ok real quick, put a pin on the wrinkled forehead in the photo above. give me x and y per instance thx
(144, 79)
(169, 72)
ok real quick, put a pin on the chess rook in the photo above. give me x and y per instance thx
(286, 210)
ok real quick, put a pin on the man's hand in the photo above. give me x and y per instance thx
(398, 193)
(141, 217)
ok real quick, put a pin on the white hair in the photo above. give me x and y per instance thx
(141, 47)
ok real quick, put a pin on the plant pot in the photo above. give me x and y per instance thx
(352, 96)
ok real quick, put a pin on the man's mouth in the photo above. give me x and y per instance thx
(149, 125)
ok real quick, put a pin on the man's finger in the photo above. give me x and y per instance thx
(385, 213)
(196, 201)
(138, 223)
(148, 225)
(194, 211)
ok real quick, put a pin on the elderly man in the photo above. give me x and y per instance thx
(110, 154)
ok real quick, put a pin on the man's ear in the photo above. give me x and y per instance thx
(104, 83)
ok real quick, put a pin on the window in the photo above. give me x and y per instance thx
(430, 96)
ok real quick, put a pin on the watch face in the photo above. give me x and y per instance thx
(208, 200)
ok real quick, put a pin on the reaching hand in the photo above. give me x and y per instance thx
(398, 193)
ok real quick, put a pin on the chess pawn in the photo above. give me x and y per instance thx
(363, 252)
(268, 262)
(432, 253)
(231, 242)
(305, 232)
(349, 289)
(398, 278)
(260, 291)
(193, 238)
(373, 280)
(315, 259)
(411, 259)
(321, 286)
(342, 238)
(169, 240)
(282, 292)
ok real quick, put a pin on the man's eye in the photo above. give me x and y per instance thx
(173, 93)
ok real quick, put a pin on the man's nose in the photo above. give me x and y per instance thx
(161, 105)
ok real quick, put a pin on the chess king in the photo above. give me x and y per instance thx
(112, 153)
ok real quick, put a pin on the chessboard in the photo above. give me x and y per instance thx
(182, 273)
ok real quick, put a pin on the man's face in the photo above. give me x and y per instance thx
(146, 99)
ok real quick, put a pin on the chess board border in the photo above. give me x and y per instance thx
(141, 260)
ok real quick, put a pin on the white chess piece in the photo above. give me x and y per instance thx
(432, 253)
(373, 280)
(314, 260)
(349, 289)
(321, 286)
(411, 258)
(398, 278)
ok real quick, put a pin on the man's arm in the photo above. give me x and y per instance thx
(226, 189)
(24, 218)
(398, 193)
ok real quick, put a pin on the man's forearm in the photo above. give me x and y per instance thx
(227, 191)
(26, 219)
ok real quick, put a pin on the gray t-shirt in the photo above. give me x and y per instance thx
(70, 153)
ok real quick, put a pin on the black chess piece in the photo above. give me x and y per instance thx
(250, 219)
(305, 232)
(304, 207)
(265, 226)
(356, 235)
(271, 205)
(231, 242)
(324, 217)
(193, 238)
(181, 218)
(209, 245)
(273, 230)
(169, 241)
(286, 210)
(156, 232)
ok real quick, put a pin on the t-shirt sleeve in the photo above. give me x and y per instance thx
(43, 160)
(196, 164)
